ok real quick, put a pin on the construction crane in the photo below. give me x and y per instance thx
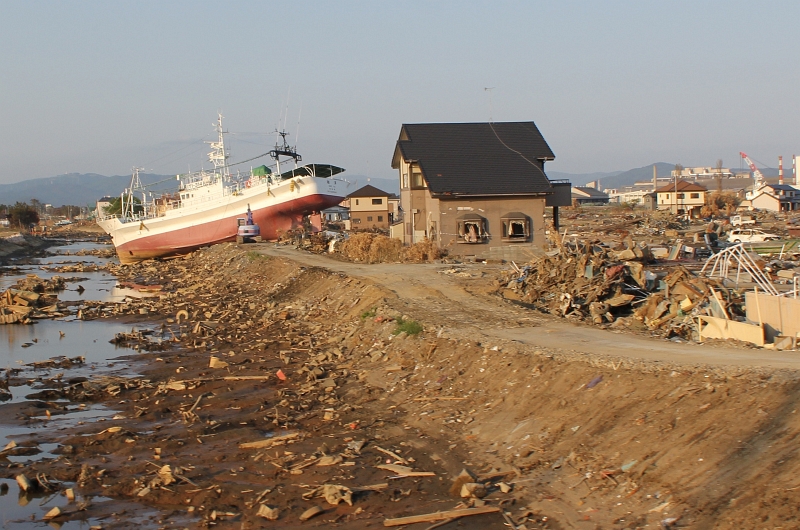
(759, 178)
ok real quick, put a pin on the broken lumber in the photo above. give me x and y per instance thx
(440, 516)
(405, 471)
(269, 442)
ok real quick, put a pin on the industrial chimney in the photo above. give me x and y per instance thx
(655, 178)
(780, 170)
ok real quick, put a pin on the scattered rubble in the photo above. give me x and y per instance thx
(285, 395)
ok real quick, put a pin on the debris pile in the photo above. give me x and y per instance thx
(32, 297)
(369, 247)
(589, 282)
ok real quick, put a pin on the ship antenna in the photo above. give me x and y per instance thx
(286, 113)
(297, 133)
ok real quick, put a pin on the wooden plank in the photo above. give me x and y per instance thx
(269, 442)
(440, 516)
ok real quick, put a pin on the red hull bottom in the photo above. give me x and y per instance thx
(272, 221)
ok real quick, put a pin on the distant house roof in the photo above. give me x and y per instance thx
(477, 158)
(782, 187)
(682, 186)
(107, 199)
(369, 191)
(590, 192)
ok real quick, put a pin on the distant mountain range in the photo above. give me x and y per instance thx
(84, 189)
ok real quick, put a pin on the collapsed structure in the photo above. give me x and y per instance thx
(626, 287)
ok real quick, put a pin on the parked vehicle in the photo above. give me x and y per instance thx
(741, 220)
(750, 235)
(64, 222)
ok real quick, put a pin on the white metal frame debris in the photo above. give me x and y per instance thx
(720, 264)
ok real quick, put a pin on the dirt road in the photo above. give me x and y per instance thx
(461, 301)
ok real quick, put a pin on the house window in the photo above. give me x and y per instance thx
(377, 201)
(380, 218)
(356, 220)
(694, 195)
(471, 229)
(356, 202)
(516, 227)
(404, 181)
(681, 195)
(369, 218)
(417, 182)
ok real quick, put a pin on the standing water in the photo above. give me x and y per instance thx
(68, 338)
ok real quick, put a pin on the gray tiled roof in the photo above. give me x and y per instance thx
(477, 158)
(591, 192)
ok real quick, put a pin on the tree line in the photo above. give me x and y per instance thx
(20, 215)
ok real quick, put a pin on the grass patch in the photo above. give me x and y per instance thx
(411, 327)
(369, 313)
(252, 255)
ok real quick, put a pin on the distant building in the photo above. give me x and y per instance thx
(682, 197)
(650, 201)
(336, 213)
(369, 208)
(694, 173)
(585, 196)
(102, 204)
(776, 198)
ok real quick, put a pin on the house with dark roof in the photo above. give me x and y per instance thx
(370, 208)
(476, 187)
(681, 197)
(584, 195)
(776, 198)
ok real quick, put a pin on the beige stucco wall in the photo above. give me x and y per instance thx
(780, 314)
(492, 209)
(766, 201)
(425, 216)
(361, 209)
(667, 201)
(364, 204)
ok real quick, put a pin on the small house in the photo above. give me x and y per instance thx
(476, 187)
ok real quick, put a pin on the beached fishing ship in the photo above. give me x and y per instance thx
(205, 207)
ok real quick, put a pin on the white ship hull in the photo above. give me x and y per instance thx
(207, 214)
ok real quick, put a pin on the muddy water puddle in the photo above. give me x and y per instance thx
(97, 285)
(21, 511)
(25, 351)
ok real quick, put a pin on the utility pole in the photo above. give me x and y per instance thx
(678, 171)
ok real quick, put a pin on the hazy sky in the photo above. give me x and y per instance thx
(100, 87)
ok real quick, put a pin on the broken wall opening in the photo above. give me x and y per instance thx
(516, 227)
(471, 228)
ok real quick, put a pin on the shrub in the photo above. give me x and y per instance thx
(411, 327)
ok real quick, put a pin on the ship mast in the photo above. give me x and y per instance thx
(218, 155)
(285, 150)
(127, 206)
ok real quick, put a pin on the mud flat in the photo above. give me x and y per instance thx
(303, 392)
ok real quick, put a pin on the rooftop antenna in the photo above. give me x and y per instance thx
(489, 90)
